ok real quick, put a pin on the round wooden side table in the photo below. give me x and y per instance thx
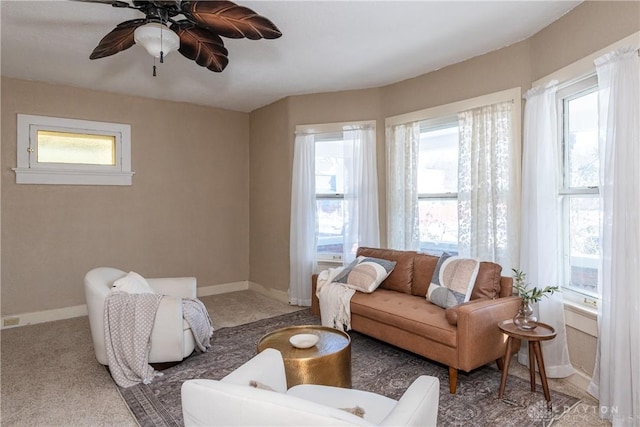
(543, 332)
(326, 363)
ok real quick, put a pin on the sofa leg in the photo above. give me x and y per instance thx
(453, 379)
(500, 363)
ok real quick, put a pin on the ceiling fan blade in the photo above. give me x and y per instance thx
(119, 39)
(230, 20)
(114, 3)
(201, 45)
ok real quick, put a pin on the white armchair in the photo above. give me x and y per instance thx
(171, 338)
(232, 402)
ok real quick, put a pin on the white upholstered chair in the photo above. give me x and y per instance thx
(171, 338)
(232, 402)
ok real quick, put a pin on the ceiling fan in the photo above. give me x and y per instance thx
(197, 36)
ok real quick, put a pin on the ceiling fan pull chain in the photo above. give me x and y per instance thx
(154, 67)
(161, 52)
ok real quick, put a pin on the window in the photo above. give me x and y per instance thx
(335, 168)
(330, 213)
(53, 150)
(452, 178)
(438, 186)
(578, 127)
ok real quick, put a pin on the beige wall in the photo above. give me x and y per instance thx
(495, 71)
(211, 192)
(187, 212)
(270, 161)
(589, 27)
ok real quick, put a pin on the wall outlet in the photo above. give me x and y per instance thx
(11, 321)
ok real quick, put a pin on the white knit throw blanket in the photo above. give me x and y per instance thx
(335, 300)
(128, 321)
(197, 316)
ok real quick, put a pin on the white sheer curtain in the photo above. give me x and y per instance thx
(616, 380)
(487, 189)
(362, 226)
(302, 247)
(540, 244)
(402, 186)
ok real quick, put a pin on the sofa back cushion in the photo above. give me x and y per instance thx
(488, 281)
(414, 270)
(400, 278)
(423, 267)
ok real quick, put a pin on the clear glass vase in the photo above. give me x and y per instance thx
(525, 319)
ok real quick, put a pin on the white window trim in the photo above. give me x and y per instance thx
(332, 127)
(69, 174)
(570, 90)
(580, 70)
(447, 110)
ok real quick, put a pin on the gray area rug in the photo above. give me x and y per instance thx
(376, 367)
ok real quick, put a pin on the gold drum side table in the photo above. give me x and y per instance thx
(326, 363)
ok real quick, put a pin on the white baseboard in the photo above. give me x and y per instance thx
(579, 380)
(281, 296)
(23, 319)
(33, 318)
(222, 288)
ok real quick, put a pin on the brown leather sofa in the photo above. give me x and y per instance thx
(462, 337)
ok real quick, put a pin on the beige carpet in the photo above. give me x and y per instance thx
(49, 375)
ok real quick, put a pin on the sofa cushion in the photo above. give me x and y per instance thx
(400, 278)
(423, 267)
(365, 274)
(453, 280)
(410, 313)
(488, 281)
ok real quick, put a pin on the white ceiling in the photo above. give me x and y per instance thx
(326, 46)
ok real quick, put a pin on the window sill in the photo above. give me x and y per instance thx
(66, 177)
(330, 261)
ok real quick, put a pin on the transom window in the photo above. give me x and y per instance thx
(74, 148)
(578, 123)
(54, 150)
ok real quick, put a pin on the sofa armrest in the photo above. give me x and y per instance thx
(266, 368)
(184, 287)
(217, 403)
(480, 341)
(418, 406)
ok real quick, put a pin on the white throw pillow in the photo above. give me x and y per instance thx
(365, 274)
(133, 283)
(453, 280)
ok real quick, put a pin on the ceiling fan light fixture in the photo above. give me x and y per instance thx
(156, 38)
